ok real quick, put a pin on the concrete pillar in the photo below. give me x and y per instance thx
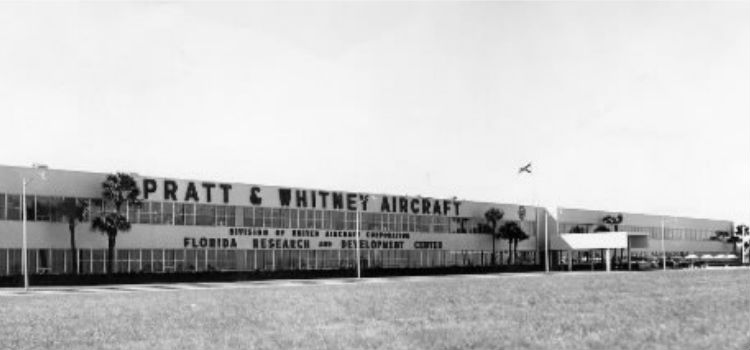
(608, 261)
(629, 267)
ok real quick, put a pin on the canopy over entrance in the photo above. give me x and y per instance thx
(604, 240)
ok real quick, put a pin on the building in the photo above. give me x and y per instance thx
(189, 225)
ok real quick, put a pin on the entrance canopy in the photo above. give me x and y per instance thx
(604, 240)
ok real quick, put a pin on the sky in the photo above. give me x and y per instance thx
(626, 106)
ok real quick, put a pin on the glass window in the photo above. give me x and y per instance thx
(259, 214)
(221, 215)
(247, 217)
(14, 207)
(319, 219)
(205, 215)
(55, 215)
(276, 212)
(167, 213)
(328, 220)
(231, 215)
(351, 220)
(2, 206)
(144, 213)
(30, 206)
(310, 218)
(184, 214)
(155, 210)
(283, 218)
(303, 218)
(42, 209)
(228, 217)
(294, 218)
(338, 220)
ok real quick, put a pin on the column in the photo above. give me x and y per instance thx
(608, 260)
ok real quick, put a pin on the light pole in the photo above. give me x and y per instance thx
(24, 249)
(546, 242)
(356, 237)
(663, 252)
(362, 200)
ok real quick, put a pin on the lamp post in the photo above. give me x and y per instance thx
(663, 252)
(356, 237)
(24, 249)
(362, 200)
(546, 242)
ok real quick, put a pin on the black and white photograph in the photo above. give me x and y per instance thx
(375, 175)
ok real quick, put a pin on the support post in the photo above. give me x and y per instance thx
(608, 261)
(570, 260)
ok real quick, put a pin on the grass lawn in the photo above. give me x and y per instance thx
(639, 310)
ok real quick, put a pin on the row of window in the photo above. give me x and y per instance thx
(94, 261)
(670, 233)
(44, 208)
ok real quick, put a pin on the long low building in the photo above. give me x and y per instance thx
(191, 225)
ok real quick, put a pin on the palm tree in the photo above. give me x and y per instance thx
(493, 216)
(513, 233)
(578, 229)
(613, 220)
(74, 211)
(118, 190)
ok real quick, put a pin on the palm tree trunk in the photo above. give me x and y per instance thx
(492, 256)
(73, 250)
(111, 253)
(510, 251)
(515, 249)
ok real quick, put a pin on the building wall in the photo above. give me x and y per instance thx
(681, 234)
(205, 224)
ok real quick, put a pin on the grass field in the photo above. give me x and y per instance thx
(640, 310)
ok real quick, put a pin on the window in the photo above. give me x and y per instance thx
(319, 219)
(310, 219)
(441, 224)
(221, 215)
(272, 217)
(294, 218)
(328, 220)
(424, 223)
(302, 218)
(337, 219)
(283, 218)
(184, 214)
(156, 216)
(42, 209)
(225, 215)
(2, 206)
(205, 215)
(167, 213)
(259, 214)
(144, 213)
(55, 215)
(351, 220)
(13, 207)
(30, 208)
(247, 217)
